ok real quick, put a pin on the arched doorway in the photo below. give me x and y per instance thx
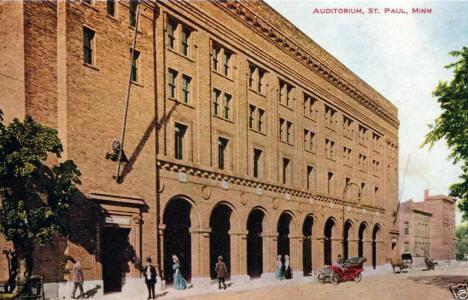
(375, 238)
(220, 241)
(283, 234)
(362, 231)
(328, 232)
(347, 228)
(177, 239)
(307, 245)
(255, 243)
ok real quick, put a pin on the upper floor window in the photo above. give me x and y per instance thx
(186, 88)
(179, 140)
(88, 45)
(256, 162)
(329, 149)
(261, 113)
(330, 183)
(289, 132)
(186, 32)
(227, 106)
(216, 52)
(406, 227)
(134, 73)
(216, 95)
(222, 145)
(171, 28)
(281, 128)
(309, 140)
(309, 177)
(375, 141)
(111, 8)
(226, 63)
(347, 126)
(252, 109)
(330, 116)
(310, 107)
(256, 78)
(172, 83)
(285, 93)
(362, 134)
(179, 36)
(286, 171)
(347, 154)
(362, 162)
(132, 12)
(223, 55)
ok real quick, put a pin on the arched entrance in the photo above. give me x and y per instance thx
(347, 228)
(177, 239)
(220, 241)
(328, 232)
(375, 238)
(307, 245)
(283, 234)
(255, 243)
(362, 231)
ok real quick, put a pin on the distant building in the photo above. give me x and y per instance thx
(428, 228)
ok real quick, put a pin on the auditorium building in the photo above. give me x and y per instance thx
(243, 138)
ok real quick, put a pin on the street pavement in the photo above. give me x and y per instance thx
(416, 284)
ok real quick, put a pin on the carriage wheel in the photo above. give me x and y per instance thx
(321, 278)
(358, 277)
(334, 279)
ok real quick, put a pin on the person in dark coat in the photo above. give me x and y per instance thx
(287, 268)
(78, 278)
(150, 273)
(221, 272)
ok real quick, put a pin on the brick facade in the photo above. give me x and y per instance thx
(297, 128)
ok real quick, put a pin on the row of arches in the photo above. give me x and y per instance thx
(180, 219)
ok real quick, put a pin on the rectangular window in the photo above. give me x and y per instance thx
(330, 117)
(285, 170)
(281, 128)
(376, 194)
(363, 188)
(132, 12)
(179, 140)
(406, 228)
(88, 45)
(186, 88)
(306, 139)
(310, 169)
(312, 141)
(261, 75)
(216, 94)
(222, 144)
(282, 92)
(227, 105)
(251, 75)
(256, 162)
(216, 51)
(185, 40)
(330, 183)
(172, 83)
(289, 132)
(347, 181)
(251, 116)
(226, 63)
(111, 8)
(136, 55)
(261, 112)
(171, 26)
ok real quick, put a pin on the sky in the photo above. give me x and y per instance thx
(402, 56)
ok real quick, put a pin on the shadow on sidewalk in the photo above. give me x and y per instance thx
(441, 281)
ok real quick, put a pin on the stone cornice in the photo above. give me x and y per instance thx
(282, 41)
(306, 197)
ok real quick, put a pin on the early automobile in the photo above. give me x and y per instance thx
(351, 269)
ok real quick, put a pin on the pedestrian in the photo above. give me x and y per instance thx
(287, 268)
(77, 278)
(150, 273)
(221, 272)
(179, 281)
(279, 268)
(339, 260)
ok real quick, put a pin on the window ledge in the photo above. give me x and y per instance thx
(89, 6)
(180, 55)
(287, 143)
(113, 18)
(137, 83)
(347, 165)
(222, 118)
(285, 106)
(222, 75)
(257, 131)
(257, 92)
(180, 102)
(91, 66)
(331, 159)
(310, 151)
(314, 119)
(133, 28)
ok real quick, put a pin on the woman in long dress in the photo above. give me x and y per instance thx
(287, 268)
(279, 268)
(179, 281)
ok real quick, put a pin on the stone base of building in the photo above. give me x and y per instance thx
(379, 270)
(60, 290)
(239, 279)
(310, 278)
(267, 276)
(201, 282)
(298, 275)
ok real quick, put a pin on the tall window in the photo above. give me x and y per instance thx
(216, 51)
(185, 40)
(226, 63)
(261, 75)
(306, 139)
(88, 45)
(330, 115)
(406, 246)
(256, 162)
(172, 83)
(227, 105)
(111, 8)
(285, 170)
(222, 145)
(251, 75)
(171, 26)
(406, 228)
(186, 88)
(289, 132)
(285, 93)
(132, 11)
(261, 112)
(216, 94)
(281, 128)
(136, 55)
(179, 140)
(330, 183)
(251, 116)
(310, 169)
(347, 181)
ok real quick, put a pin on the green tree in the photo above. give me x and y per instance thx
(461, 233)
(35, 195)
(452, 124)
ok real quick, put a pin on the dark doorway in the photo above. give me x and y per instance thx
(177, 239)
(346, 239)
(113, 257)
(374, 246)
(283, 234)
(327, 243)
(307, 246)
(220, 241)
(255, 244)
(361, 238)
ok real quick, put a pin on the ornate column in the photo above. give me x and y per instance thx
(200, 241)
(161, 228)
(239, 256)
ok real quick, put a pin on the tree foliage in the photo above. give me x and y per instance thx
(461, 233)
(452, 124)
(35, 195)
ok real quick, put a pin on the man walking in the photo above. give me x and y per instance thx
(221, 272)
(77, 278)
(150, 278)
